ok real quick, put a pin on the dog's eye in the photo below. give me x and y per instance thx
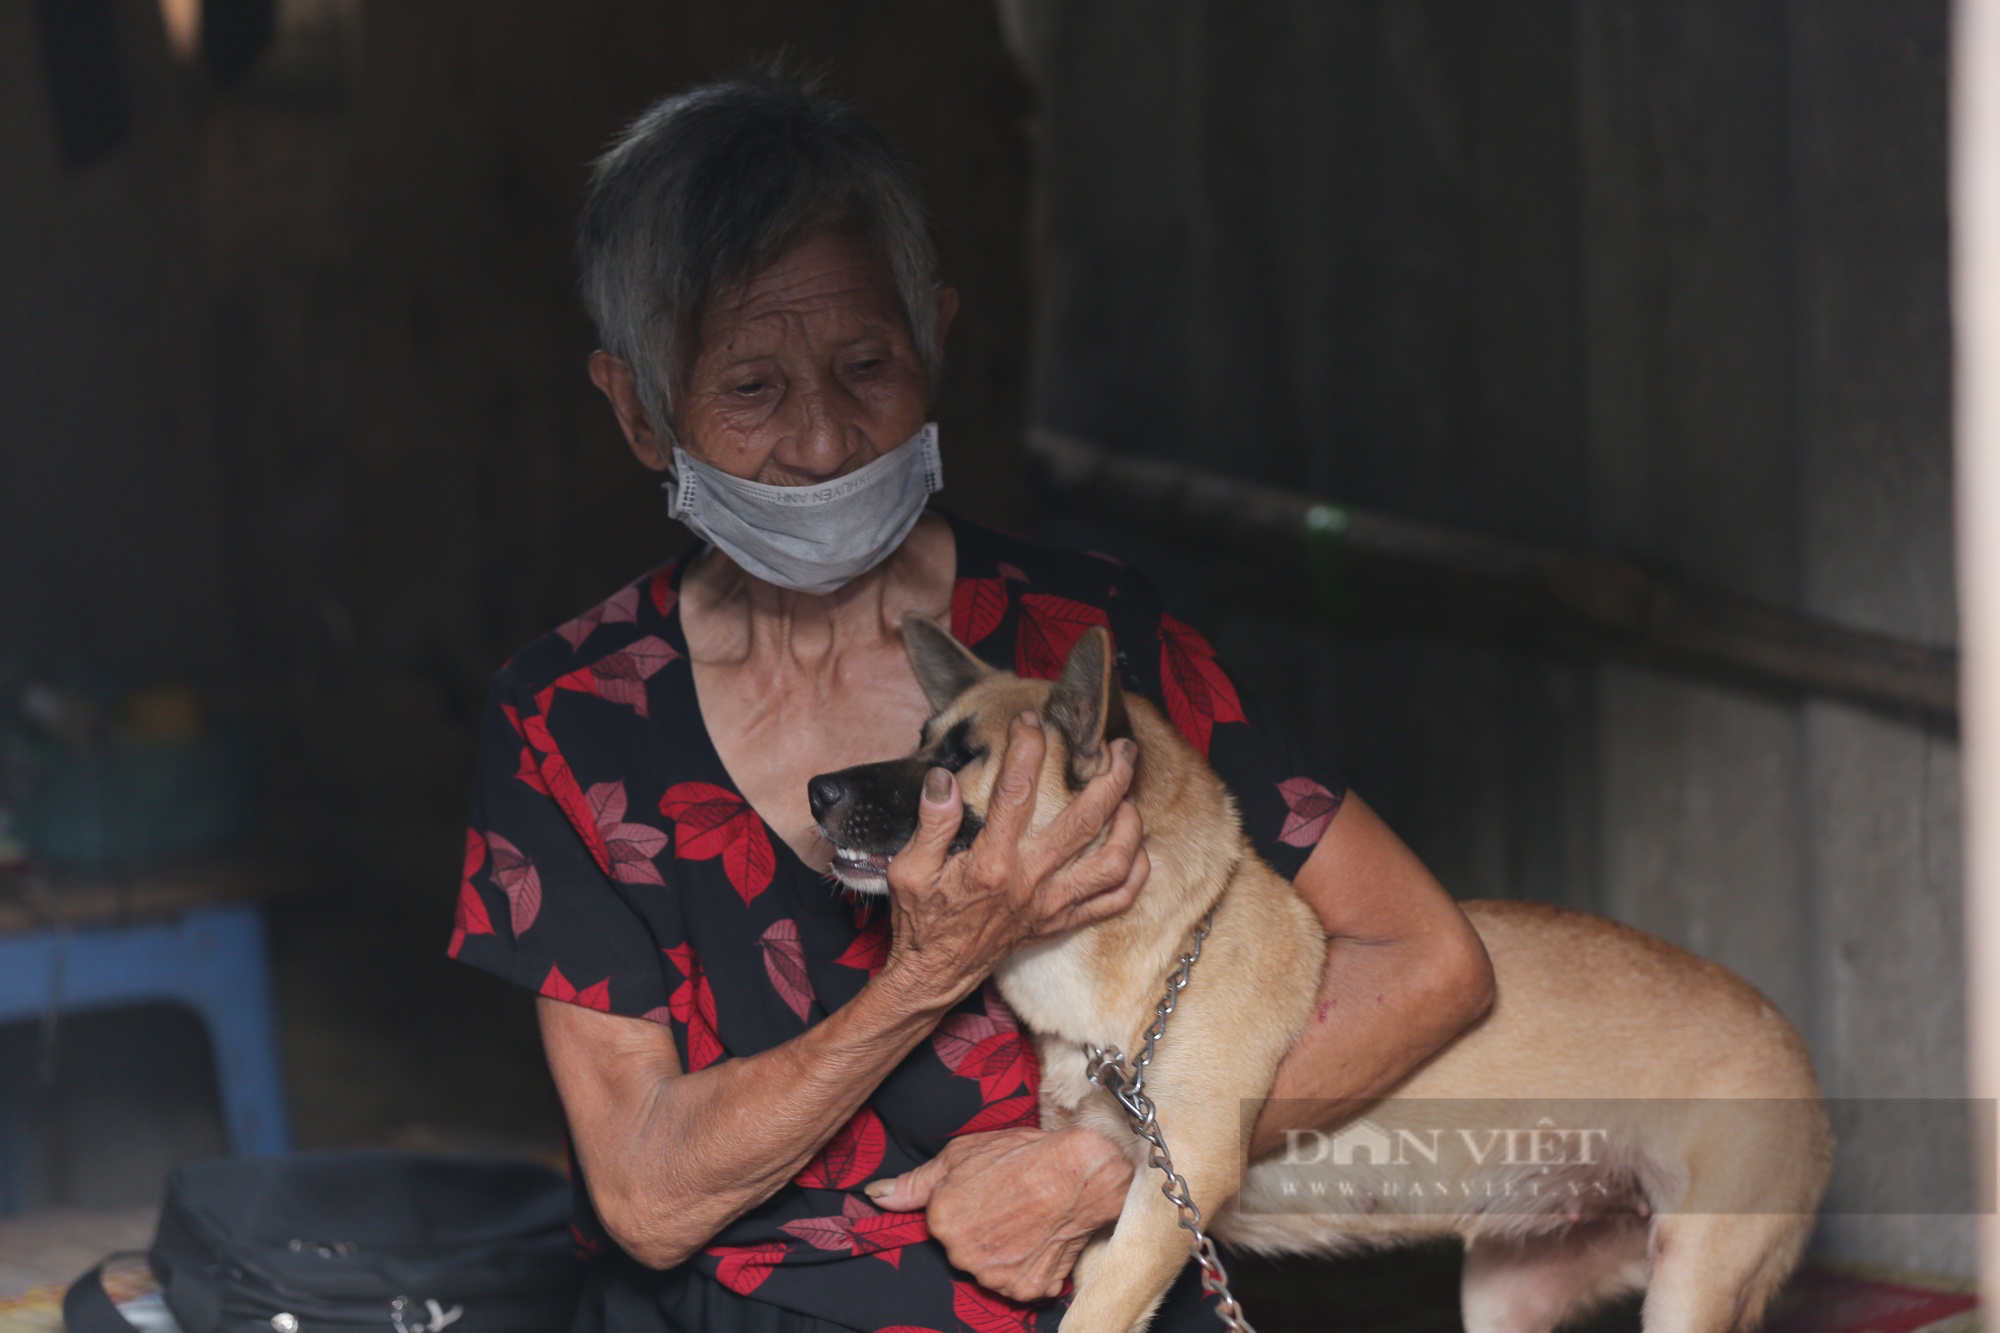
(954, 752)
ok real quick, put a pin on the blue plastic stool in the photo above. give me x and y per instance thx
(210, 959)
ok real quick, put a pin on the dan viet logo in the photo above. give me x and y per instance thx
(1366, 1166)
(1365, 1143)
(1584, 1159)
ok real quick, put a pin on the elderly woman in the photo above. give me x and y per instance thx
(788, 1109)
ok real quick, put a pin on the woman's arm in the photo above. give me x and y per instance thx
(671, 1157)
(674, 1157)
(1405, 972)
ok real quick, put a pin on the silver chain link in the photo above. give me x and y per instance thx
(1110, 1071)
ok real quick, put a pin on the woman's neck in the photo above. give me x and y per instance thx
(733, 618)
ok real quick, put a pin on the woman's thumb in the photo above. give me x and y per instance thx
(938, 815)
(908, 1192)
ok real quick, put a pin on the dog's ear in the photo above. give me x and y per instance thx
(1087, 707)
(945, 667)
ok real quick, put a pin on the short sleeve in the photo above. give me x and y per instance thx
(537, 904)
(1288, 797)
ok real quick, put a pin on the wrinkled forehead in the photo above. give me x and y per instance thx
(827, 287)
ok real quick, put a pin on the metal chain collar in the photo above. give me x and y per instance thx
(1108, 1070)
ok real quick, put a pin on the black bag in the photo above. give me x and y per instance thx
(319, 1242)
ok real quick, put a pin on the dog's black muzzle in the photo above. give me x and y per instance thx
(872, 808)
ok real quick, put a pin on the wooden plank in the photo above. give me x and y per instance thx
(1444, 578)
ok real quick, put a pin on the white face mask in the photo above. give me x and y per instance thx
(811, 539)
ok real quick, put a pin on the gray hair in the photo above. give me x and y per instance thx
(706, 190)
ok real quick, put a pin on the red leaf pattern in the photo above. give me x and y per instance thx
(1049, 628)
(977, 606)
(631, 847)
(1020, 1112)
(557, 987)
(712, 821)
(1198, 694)
(959, 1035)
(475, 855)
(1310, 808)
(518, 879)
(990, 1048)
(562, 786)
(744, 1267)
(983, 1312)
(785, 964)
(560, 783)
(850, 1157)
(870, 949)
(861, 1228)
(702, 813)
(530, 771)
(1000, 1063)
(621, 677)
(885, 1234)
(693, 1003)
(470, 918)
(535, 726)
(620, 610)
(822, 1233)
(749, 860)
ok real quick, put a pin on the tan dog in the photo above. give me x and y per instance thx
(1667, 1183)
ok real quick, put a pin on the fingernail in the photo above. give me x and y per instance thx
(937, 786)
(1033, 719)
(879, 1189)
(1128, 751)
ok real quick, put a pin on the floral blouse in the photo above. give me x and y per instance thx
(611, 863)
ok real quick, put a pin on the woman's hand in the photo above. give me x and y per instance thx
(955, 917)
(1015, 1207)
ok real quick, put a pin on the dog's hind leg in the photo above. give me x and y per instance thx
(1537, 1284)
(1715, 1272)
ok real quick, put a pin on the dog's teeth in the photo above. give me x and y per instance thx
(847, 856)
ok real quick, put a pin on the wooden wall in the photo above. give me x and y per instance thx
(1662, 278)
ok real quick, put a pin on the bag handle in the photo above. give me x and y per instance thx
(87, 1307)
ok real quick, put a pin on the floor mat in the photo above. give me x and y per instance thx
(1861, 1299)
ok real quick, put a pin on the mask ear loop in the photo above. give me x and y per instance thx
(680, 485)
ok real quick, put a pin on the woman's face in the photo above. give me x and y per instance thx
(806, 374)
